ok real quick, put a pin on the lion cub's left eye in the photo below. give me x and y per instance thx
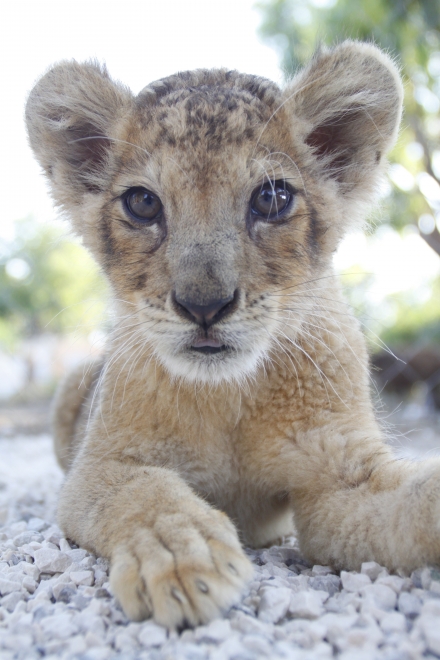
(142, 205)
(271, 200)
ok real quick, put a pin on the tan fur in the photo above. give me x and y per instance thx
(281, 422)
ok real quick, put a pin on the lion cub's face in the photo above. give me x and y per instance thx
(205, 226)
(213, 200)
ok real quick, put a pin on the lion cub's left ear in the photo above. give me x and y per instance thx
(348, 101)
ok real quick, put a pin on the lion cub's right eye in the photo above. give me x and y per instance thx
(142, 205)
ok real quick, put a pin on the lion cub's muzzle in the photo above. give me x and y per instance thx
(205, 316)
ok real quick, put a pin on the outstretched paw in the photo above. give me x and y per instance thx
(184, 570)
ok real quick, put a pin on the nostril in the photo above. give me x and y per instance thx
(207, 314)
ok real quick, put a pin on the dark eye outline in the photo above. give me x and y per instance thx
(276, 214)
(137, 218)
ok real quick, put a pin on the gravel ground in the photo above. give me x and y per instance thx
(55, 599)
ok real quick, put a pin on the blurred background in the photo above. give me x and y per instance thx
(52, 296)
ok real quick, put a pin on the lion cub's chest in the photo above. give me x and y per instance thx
(221, 469)
(208, 461)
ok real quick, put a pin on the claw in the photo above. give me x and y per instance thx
(202, 586)
(177, 595)
(232, 569)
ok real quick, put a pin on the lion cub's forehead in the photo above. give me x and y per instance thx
(208, 109)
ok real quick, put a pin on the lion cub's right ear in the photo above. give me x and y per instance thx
(70, 114)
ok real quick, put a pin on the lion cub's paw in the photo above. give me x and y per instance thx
(184, 570)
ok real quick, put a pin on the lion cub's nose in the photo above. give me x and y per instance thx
(205, 315)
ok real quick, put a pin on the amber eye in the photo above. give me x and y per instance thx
(142, 205)
(271, 199)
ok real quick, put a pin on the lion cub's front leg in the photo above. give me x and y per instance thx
(173, 556)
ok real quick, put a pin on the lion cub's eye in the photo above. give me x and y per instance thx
(271, 199)
(142, 205)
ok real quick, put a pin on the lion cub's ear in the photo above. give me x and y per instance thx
(69, 115)
(349, 102)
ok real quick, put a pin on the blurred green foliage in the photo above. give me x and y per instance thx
(48, 283)
(410, 31)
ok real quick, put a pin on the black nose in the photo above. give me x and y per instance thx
(206, 315)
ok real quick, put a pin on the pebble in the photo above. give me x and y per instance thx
(393, 622)
(371, 569)
(395, 582)
(318, 570)
(152, 635)
(82, 577)
(380, 595)
(409, 604)
(217, 631)
(354, 581)
(50, 560)
(307, 604)
(59, 626)
(421, 578)
(274, 603)
(9, 584)
(329, 583)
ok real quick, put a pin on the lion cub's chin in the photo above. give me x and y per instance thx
(228, 365)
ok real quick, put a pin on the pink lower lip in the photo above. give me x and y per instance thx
(200, 343)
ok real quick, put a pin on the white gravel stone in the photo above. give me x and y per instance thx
(125, 643)
(10, 601)
(257, 645)
(30, 569)
(217, 631)
(409, 604)
(82, 577)
(329, 583)
(232, 648)
(87, 562)
(393, 622)
(372, 569)
(321, 570)
(59, 626)
(381, 596)
(425, 578)
(354, 581)
(431, 608)
(274, 603)
(248, 625)
(76, 555)
(364, 634)
(50, 560)
(9, 583)
(307, 604)
(429, 626)
(29, 584)
(152, 635)
(299, 583)
(77, 645)
(64, 545)
(37, 524)
(393, 581)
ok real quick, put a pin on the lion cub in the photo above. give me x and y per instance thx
(233, 398)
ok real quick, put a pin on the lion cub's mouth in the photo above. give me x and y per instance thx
(208, 346)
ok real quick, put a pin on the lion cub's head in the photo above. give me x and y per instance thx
(212, 196)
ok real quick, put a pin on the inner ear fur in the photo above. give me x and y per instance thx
(349, 99)
(69, 114)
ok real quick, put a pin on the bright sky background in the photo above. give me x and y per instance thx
(142, 41)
